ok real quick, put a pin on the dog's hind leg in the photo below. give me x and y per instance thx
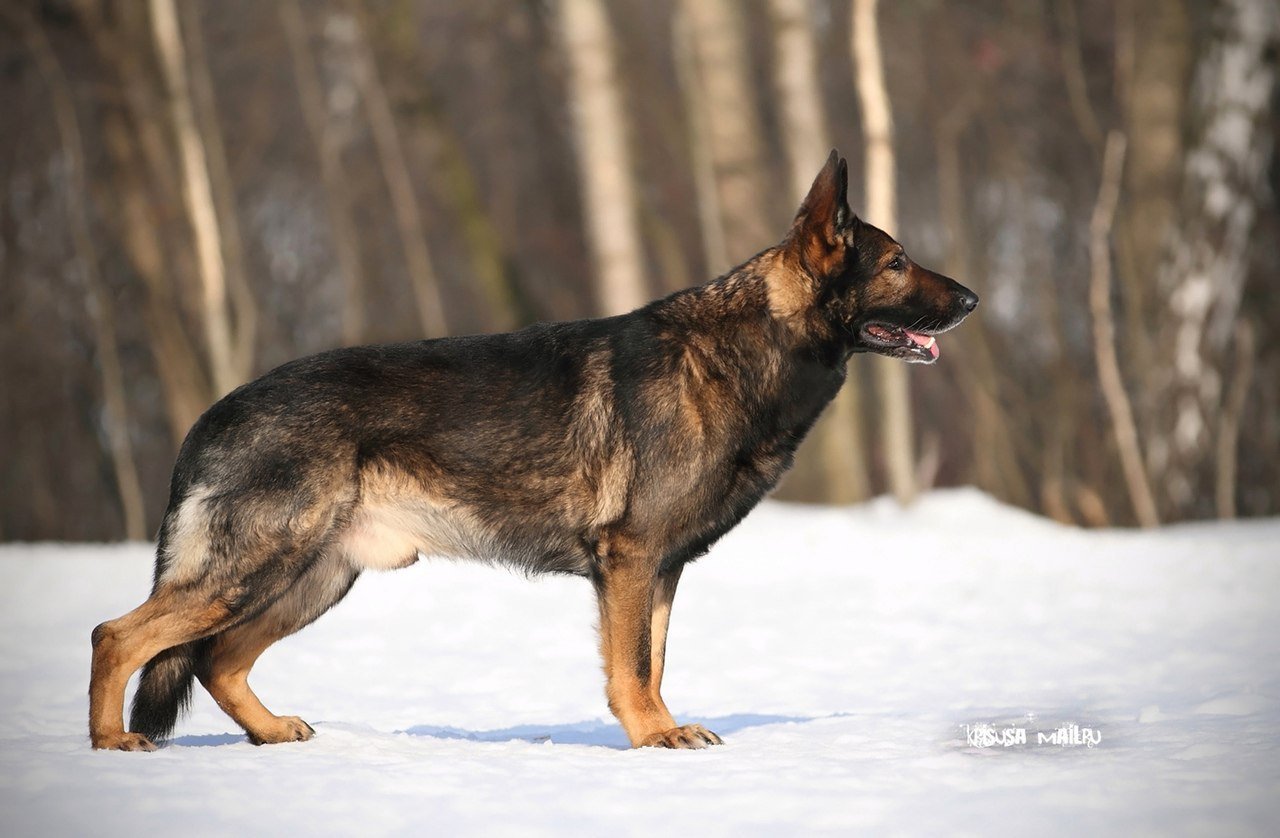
(122, 645)
(235, 650)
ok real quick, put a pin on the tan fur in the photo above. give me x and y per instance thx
(235, 651)
(635, 604)
(122, 645)
(625, 621)
(397, 518)
(790, 290)
(607, 467)
(664, 594)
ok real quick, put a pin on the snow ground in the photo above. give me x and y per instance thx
(839, 653)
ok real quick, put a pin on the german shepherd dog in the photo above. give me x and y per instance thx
(616, 449)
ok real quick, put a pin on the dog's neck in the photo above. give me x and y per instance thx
(757, 324)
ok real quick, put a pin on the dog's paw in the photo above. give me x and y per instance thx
(685, 736)
(286, 729)
(123, 742)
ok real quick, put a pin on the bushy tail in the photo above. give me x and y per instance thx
(164, 690)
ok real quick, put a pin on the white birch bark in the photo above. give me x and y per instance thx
(807, 142)
(1202, 278)
(732, 120)
(881, 183)
(197, 195)
(1104, 340)
(604, 161)
(242, 304)
(710, 223)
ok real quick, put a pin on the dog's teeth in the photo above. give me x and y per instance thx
(930, 342)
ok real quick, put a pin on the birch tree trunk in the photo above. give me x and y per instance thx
(807, 141)
(1202, 277)
(183, 377)
(143, 179)
(604, 162)
(432, 139)
(395, 169)
(1113, 390)
(710, 223)
(731, 118)
(240, 296)
(197, 197)
(1229, 426)
(881, 182)
(997, 470)
(1153, 65)
(115, 402)
(337, 189)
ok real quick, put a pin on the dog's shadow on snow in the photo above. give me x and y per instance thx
(208, 740)
(600, 733)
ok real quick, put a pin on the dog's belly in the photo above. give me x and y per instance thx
(385, 535)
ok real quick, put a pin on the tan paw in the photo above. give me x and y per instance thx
(285, 729)
(685, 736)
(123, 742)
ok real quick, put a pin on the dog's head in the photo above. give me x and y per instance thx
(862, 286)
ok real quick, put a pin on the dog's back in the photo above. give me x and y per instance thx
(521, 445)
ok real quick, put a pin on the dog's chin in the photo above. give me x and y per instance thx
(914, 347)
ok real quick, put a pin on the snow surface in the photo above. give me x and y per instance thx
(839, 652)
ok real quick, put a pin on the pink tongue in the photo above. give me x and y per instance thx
(921, 340)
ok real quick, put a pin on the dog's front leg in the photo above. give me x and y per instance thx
(664, 592)
(634, 605)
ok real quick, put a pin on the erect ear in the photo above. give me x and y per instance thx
(825, 212)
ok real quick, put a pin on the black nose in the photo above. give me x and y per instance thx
(968, 299)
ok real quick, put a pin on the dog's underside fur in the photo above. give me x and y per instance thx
(616, 449)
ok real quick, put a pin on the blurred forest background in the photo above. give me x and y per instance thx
(194, 191)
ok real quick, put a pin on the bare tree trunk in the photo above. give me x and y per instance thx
(433, 140)
(996, 470)
(120, 446)
(1152, 65)
(732, 122)
(807, 141)
(507, 308)
(146, 177)
(1073, 73)
(604, 161)
(1229, 426)
(198, 197)
(1202, 278)
(395, 169)
(243, 305)
(896, 432)
(1135, 474)
(668, 251)
(182, 377)
(806, 138)
(710, 223)
(337, 189)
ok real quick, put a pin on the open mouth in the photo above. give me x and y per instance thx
(898, 342)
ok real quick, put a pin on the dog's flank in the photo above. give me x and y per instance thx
(616, 449)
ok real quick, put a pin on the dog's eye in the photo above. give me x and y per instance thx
(897, 264)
